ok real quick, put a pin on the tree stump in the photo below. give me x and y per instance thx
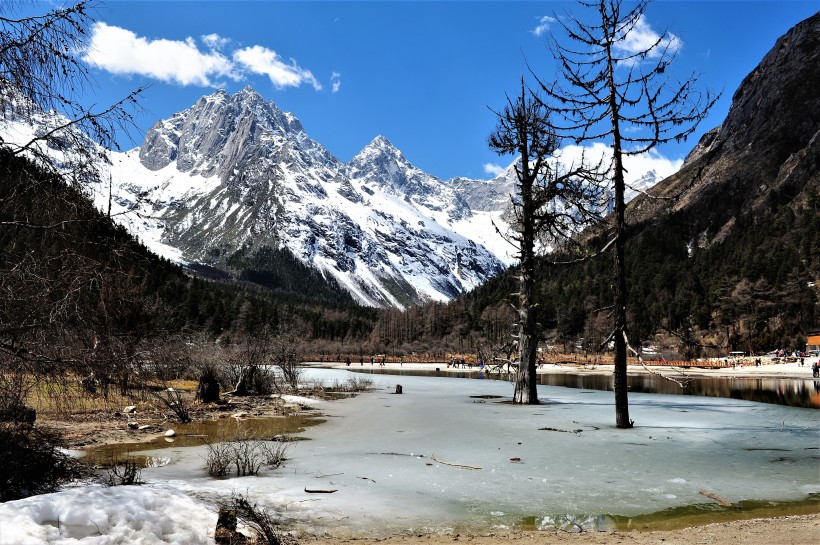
(398, 388)
(208, 389)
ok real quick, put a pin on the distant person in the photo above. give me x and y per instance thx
(347, 361)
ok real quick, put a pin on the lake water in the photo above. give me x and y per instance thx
(780, 391)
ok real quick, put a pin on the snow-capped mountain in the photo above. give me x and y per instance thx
(234, 171)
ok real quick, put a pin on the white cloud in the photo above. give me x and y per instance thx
(120, 51)
(493, 169)
(215, 41)
(642, 37)
(543, 25)
(335, 82)
(264, 61)
(635, 165)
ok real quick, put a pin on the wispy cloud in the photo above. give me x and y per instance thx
(335, 82)
(183, 62)
(642, 37)
(493, 169)
(261, 60)
(543, 25)
(215, 41)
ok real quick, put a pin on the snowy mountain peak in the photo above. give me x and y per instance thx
(234, 172)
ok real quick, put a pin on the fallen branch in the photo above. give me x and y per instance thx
(320, 491)
(721, 500)
(557, 429)
(366, 479)
(433, 457)
(320, 475)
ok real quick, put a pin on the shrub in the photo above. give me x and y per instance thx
(246, 455)
(127, 474)
(174, 400)
(31, 463)
(257, 519)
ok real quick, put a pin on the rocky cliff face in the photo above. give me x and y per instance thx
(767, 149)
(235, 172)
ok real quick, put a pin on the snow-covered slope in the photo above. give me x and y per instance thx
(234, 171)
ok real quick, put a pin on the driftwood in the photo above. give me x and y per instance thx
(320, 490)
(721, 500)
(433, 457)
(558, 429)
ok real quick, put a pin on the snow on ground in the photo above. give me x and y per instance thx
(107, 516)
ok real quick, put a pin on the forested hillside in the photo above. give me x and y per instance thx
(724, 255)
(79, 289)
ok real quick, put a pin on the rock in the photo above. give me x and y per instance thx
(145, 427)
(130, 409)
(170, 433)
(133, 425)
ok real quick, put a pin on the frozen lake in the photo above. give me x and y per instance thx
(539, 465)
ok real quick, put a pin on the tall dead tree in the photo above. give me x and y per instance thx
(615, 87)
(549, 204)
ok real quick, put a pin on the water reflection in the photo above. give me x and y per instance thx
(195, 434)
(779, 391)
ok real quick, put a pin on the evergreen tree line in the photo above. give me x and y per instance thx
(751, 290)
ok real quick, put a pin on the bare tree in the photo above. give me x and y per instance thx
(286, 348)
(549, 204)
(609, 90)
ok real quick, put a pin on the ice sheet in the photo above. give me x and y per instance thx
(375, 450)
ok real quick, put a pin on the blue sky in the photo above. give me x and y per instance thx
(423, 74)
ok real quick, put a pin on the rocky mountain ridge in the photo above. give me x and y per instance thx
(234, 172)
(768, 147)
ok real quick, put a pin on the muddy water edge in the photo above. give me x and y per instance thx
(197, 434)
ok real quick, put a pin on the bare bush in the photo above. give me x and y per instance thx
(173, 399)
(247, 456)
(128, 473)
(219, 459)
(31, 463)
(359, 384)
(257, 519)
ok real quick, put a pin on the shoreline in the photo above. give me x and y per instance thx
(785, 530)
(790, 370)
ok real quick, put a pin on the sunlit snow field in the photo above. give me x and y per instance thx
(376, 451)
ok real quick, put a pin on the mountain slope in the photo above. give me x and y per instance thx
(234, 172)
(725, 254)
(768, 145)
